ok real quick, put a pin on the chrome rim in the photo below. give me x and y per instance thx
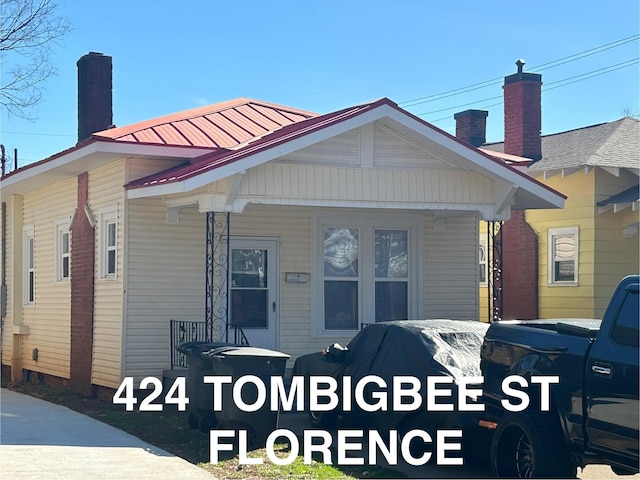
(524, 457)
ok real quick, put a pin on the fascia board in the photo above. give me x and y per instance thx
(14, 183)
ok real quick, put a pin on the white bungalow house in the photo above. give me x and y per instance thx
(296, 227)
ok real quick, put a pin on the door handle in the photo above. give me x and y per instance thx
(273, 306)
(600, 370)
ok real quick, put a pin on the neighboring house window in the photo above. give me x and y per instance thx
(482, 261)
(108, 242)
(63, 250)
(365, 275)
(563, 256)
(29, 266)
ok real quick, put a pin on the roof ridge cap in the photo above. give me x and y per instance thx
(185, 115)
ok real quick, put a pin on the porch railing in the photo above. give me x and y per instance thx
(183, 331)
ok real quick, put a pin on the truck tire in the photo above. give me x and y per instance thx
(530, 446)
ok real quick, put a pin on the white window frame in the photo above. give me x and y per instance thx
(29, 252)
(552, 233)
(108, 216)
(62, 227)
(483, 263)
(366, 225)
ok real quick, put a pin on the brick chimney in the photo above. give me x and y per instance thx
(522, 121)
(471, 126)
(94, 94)
(522, 114)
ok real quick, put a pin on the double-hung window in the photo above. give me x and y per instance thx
(391, 274)
(341, 257)
(563, 256)
(365, 273)
(109, 242)
(63, 250)
(29, 266)
(483, 261)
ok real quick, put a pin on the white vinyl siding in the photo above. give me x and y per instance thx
(451, 269)
(48, 319)
(166, 275)
(106, 192)
(336, 185)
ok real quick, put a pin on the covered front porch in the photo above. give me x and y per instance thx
(295, 241)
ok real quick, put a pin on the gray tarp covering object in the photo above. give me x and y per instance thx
(418, 348)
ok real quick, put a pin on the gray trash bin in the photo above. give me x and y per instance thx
(237, 362)
(200, 395)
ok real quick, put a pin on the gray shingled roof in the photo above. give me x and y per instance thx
(614, 144)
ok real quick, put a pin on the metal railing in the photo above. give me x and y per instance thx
(183, 331)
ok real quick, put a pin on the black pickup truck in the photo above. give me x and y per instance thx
(592, 416)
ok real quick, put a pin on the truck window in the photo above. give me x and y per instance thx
(625, 330)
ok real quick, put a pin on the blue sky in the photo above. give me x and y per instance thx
(326, 55)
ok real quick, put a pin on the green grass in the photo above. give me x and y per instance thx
(169, 430)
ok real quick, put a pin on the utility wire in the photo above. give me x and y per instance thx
(544, 66)
(564, 82)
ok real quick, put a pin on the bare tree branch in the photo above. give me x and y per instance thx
(29, 31)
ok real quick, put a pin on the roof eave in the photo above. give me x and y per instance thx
(88, 155)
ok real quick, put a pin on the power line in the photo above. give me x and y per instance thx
(544, 66)
(594, 73)
(564, 82)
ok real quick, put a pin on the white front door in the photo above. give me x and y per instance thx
(254, 290)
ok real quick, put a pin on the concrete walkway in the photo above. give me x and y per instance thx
(42, 440)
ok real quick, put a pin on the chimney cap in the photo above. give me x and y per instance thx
(520, 63)
(471, 113)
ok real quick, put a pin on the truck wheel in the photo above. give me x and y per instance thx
(530, 446)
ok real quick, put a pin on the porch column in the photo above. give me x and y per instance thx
(494, 274)
(217, 277)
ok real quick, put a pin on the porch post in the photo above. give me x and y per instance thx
(494, 250)
(217, 280)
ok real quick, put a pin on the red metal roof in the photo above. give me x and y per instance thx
(219, 158)
(222, 125)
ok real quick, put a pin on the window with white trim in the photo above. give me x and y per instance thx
(365, 274)
(482, 260)
(109, 242)
(29, 266)
(63, 251)
(563, 256)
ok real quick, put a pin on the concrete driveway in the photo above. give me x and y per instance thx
(41, 440)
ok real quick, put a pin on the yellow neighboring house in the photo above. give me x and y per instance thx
(587, 247)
